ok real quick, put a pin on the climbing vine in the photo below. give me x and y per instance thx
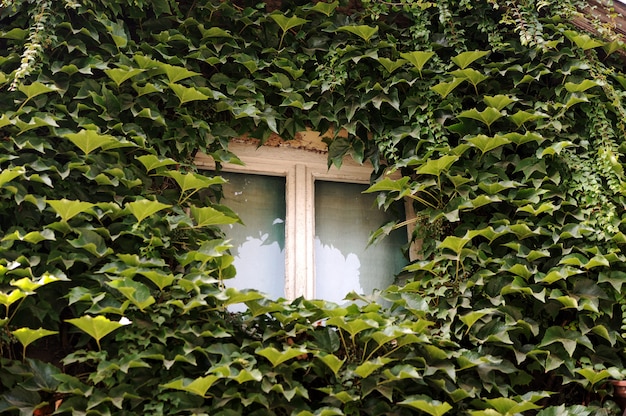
(505, 121)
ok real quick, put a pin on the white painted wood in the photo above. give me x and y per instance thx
(300, 168)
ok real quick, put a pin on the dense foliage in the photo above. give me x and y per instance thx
(506, 121)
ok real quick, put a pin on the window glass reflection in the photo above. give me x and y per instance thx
(344, 219)
(259, 244)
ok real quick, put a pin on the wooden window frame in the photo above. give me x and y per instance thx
(300, 168)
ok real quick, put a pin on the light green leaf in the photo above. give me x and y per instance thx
(194, 181)
(144, 208)
(445, 88)
(187, 94)
(362, 31)
(471, 318)
(368, 367)
(472, 76)
(418, 58)
(151, 162)
(8, 299)
(287, 23)
(35, 89)
(159, 278)
(387, 63)
(67, 209)
(119, 75)
(198, 386)
(136, 292)
(89, 140)
(582, 40)
(332, 362)
(97, 327)
(325, 8)
(498, 101)
(353, 327)
(207, 216)
(464, 59)
(592, 376)
(453, 243)
(583, 86)
(522, 117)
(7, 175)
(28, 286)
(176, 73)
(430, 406)
(27, 336)
(277, 357)
(488, 116)
(487, 143)
(437, 166)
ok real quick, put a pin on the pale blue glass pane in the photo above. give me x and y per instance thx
(259, 244)
(344, 219)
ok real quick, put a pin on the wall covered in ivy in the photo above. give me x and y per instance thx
(504, 119)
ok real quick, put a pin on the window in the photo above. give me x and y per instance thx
(306, 226)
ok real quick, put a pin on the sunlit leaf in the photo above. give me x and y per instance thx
(187, 94)
(453, 243)
(199, 386)
(207, 216)
(332, 362)
(429, 406)
(417, 58)
(277, 357)
(67, 209)
(143, 208)
(35, 89)
(90, 140)
(488, 116)
(194, 181)
(437, 166)
(362, 31)
(151, 162)
(27, 336)
(325, 8)
(97, 327)
(445, 88)
(464, 59)
(7, 175)
(119, 75)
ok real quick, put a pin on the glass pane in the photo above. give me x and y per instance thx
(259, 244)
(344, 219)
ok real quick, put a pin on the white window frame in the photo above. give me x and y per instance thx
(300, 168)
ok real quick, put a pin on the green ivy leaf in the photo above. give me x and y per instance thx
(437, 166)
(582, 86)
(67, 209)
(143, 208)
(27, 336)
(418, 58)
(35, 89)
(453, 243)
(488, 116)
(176, 73)
(159, 278)
(498, 101)
(208, 216)
(582, 40)
(90, 140)
(331, 361)
(464, 59)
(325, 8)
(119, 75)
(97, 327)
(7, 175)
(151, 162)
(277, 357)
(445, 88)
(362, 31)
(366, 368)
(187, 94)
(198, 386)
(194, 181)
(388, 64)
(287, 23)
(427, 405)
(136, 292)
(8, 299)
(486, 143)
